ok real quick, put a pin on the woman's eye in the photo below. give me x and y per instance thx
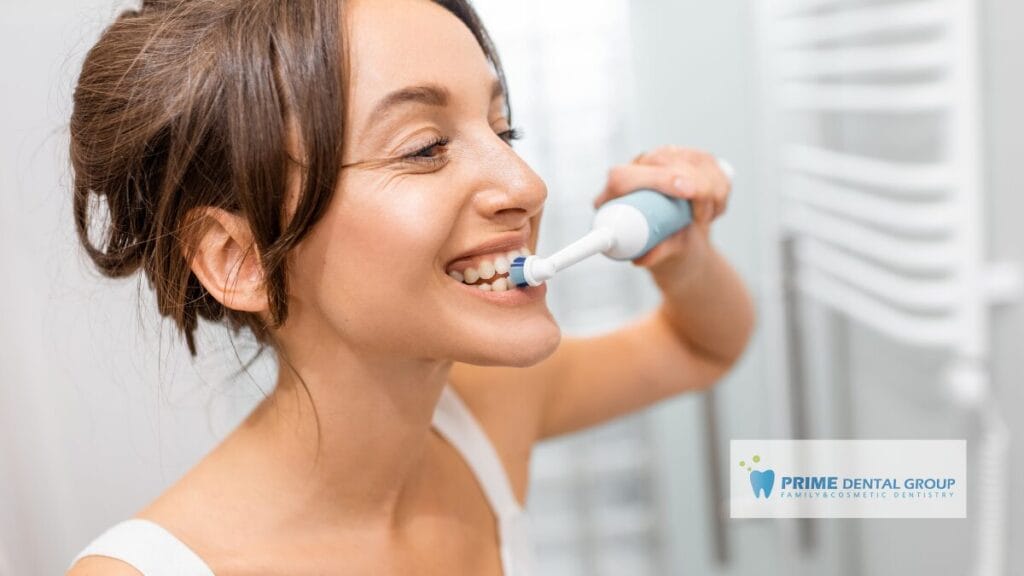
(511, 134)
(430, 150)
(433, 153)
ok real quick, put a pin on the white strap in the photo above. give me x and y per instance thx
(516, 546)
(454, 420)
(147, 547)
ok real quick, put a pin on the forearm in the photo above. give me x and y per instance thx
(708, 307)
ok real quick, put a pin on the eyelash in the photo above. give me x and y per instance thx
(416, 157)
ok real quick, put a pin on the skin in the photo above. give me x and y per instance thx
(376, 329)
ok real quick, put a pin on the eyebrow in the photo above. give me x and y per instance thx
(427, 94)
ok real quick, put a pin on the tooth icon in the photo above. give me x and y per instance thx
(762, 482)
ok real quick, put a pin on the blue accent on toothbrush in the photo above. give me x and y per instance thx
(515, 272)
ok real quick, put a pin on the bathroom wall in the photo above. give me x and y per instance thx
(100, 408)
(1004, 142)
(696, 87)
(869, 387)
(862, 385)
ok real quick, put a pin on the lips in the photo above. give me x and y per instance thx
(502, 243)
(762, 482)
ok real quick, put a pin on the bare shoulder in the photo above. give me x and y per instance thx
(102, 566)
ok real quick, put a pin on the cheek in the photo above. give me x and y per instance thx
(399, 241)
(376, 254)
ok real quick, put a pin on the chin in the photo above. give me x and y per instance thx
(526, 348)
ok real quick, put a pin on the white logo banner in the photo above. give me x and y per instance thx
(848, 478)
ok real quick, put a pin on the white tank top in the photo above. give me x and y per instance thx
(154, 551)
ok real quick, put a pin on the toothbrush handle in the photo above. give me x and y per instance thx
(595, 242)
(641, 220)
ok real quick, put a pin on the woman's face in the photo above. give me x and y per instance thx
(376, 269)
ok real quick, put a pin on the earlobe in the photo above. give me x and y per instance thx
(226, 261)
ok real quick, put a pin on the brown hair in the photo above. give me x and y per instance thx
(183, 104)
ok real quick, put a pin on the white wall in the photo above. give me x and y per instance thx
(100, 408)
(96, 413)
(1003, 86)
(99, 411)
(696, 86)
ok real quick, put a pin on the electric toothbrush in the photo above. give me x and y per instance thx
(624, 228)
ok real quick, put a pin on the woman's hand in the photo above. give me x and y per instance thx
(695, 336)
(683, 173)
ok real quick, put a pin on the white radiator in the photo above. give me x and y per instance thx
(894, 243)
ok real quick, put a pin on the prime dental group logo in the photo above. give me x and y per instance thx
(762, 482)
(849, 479)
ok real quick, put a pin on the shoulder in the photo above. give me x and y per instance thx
(102, 566)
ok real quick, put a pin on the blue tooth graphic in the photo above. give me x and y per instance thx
(762, 482)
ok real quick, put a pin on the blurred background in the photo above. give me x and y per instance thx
(875, 216)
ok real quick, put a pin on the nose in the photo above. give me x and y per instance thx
(509, 190)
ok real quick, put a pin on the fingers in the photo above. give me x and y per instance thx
(720, 184)
(675, 171)
(681, 173)
(672, 155)
(682, 181)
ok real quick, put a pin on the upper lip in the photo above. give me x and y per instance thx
(508, 241)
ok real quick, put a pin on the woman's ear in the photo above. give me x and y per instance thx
(225, 260)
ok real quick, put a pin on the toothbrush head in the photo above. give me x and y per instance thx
(526, 271)
(516, 274)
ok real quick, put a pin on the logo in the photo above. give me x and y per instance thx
(761, 481)
(848, 478)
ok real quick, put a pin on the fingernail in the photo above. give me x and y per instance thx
(680, 184)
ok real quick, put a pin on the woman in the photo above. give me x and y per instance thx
(323, 174)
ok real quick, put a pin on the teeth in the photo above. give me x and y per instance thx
(491, 269)
(487, 269)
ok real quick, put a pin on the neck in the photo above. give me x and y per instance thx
(359, 452)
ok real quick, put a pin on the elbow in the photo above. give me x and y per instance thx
(746, 324)
(722, 361)
(748, 327)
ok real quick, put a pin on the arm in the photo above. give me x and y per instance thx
(689, 342)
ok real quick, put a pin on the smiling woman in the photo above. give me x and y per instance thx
(308, 171)
(333, 177)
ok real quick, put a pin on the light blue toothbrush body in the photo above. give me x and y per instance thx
(625, 228)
